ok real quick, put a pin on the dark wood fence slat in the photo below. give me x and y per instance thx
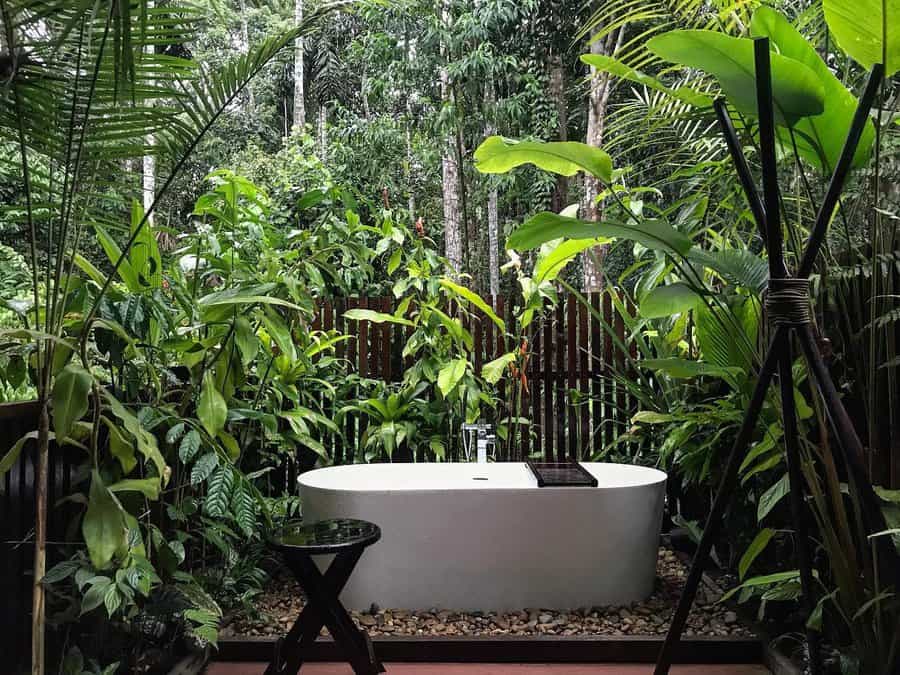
(608, 401)
(547, 371)
(596, 364)
(584, 411)
(619, 364)
(559, 348)
(571, 373)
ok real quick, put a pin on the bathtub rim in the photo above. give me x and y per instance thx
(660, 479)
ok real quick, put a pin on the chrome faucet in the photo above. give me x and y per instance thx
(484, 437)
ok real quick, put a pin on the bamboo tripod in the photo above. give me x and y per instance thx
(788, 311)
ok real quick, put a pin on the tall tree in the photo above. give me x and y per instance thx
(299, 119)
(493, 210)
(450, 168)
(598, 99)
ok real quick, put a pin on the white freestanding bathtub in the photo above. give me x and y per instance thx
(485, 537)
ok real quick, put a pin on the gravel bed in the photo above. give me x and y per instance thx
(280, 604)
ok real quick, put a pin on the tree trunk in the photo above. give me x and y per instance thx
(449, 165)
(38, 619)
(245, 39)
(558, 95)
(299, 98)
(600, 84)
(148, 180)
(410, 182)
(493, 219)
(322, 132)
(493, 215)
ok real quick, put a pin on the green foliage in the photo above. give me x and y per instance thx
(867, 31)
(796, 90)
(497, 155)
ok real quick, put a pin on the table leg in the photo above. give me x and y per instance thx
(323, 598)
(323, 608)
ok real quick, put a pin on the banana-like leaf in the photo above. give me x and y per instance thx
(820, 139)
(666, 301)
(608, 64)
(796, 90)
(554, 260)
(546, 226)
(868, 30)
(499, 155)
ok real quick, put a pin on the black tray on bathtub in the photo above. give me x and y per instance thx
(561, 474)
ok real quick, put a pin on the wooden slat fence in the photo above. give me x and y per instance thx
(573, 406)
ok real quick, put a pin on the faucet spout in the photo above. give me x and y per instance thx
(485, 437)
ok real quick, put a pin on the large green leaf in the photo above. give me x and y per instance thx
(70, 398)
(608, 64)
(820, 139)
(145, 441)
(796, 90)
(103, 526)
(475, 299)
(450, 375)
(500, 155)
(686, 369)
(376, 317)
(113, 253)
(772, 496)
(492, 371)
(665, 301)
(211, 409)
(245, 296)
(280, 332)
(554, 260)
(149, 487)
(756, 547)
(868, 30)
(12, 456)
(546, 226)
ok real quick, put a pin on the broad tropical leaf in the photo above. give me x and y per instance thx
(499, 155)
(450, 375)
(376, 317)
(219, 492)
(70, 398)
(608, 64)
(666, 301)
(868, 30)
(492, 371)
(796, 90)
(546, 226)
(820, 139)
(554, 259)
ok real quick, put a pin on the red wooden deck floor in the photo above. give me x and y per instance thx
(496, 669)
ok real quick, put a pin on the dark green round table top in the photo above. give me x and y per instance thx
(325, 536)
